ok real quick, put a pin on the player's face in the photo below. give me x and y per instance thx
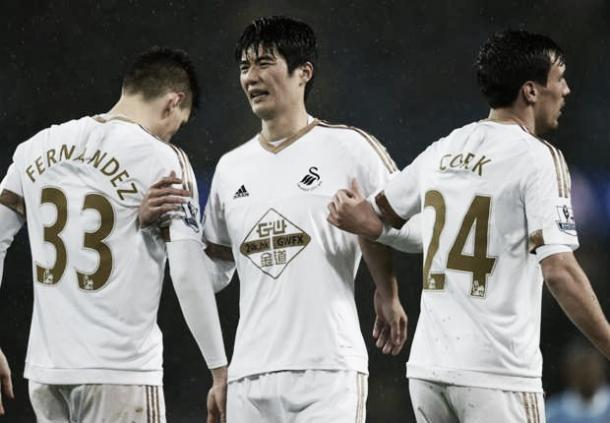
(551, 98)
(268, 86)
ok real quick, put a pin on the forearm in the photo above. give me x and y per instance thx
(378, 259)
(572, 290)
(194, 288)
(10, 223)
(407, 239)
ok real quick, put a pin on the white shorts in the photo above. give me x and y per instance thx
(308, 396)
(440, 403)
(97, 403)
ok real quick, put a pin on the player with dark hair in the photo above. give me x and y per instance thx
(299, 354)
(496, 222)
(95, 350)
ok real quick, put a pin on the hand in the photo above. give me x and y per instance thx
(390, 329)
(6, 384)
(160, 199)
(350, 212)
(217, 397)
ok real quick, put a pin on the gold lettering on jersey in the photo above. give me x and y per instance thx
(273, 242)
(463, 161)
(108, 166)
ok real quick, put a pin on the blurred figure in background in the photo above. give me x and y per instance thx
(587, 397)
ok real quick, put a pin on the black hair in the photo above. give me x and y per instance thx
(293, 39)
(511, 58)
(160, 69)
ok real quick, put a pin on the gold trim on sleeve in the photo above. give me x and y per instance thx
(13, 201)
(558, 169)
(387, 212)
(536, 239)
(219, 251)
(381, 151)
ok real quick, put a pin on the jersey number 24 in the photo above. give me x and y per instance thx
(479, 264)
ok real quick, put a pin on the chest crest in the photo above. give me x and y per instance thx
(273, 243)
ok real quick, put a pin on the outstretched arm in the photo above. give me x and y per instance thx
(351, 212)
(571, 288)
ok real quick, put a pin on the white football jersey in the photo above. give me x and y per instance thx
(97, 277)
(490, 193)
(268, 208)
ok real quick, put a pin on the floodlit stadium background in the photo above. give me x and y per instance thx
(400, 69)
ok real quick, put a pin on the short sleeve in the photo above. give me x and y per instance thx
(401, 198)
(215, 232)
(548, 204)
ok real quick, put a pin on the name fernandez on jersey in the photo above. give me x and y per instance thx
(108, 165)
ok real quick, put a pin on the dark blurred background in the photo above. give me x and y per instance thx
(401, 70)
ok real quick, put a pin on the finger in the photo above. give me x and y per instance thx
(383, 337)
(377, 327)
(343, 195)
(168, 180)
(167, 191)
(155, 202)
(399, 341)
(355, 189)
(332, 214)
(7, 386)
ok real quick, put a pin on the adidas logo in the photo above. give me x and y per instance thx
(241, 192)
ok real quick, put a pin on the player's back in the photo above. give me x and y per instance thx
(480, 318)
(97, 279)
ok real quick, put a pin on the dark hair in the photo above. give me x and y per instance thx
(160, 69)
(294, 40)
(511, 58)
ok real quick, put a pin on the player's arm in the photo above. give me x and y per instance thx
(162, 197)
(12, 218)
(571, 288)
(194, 288)
(363, 217)
(553, 238)
(390, 329)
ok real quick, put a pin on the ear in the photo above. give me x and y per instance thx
(306, 72)
(530, 93)
(172, 100)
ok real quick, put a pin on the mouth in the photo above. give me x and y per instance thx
(256, 95)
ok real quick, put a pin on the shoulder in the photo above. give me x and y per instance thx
(238, 154)
(357, 141)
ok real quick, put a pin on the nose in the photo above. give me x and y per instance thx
(566, 90)
(250, 76)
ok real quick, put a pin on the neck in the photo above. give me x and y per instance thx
(520, 117)
(135, 109)
(284, 125)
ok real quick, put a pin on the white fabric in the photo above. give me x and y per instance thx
(440, 403)
(196, 296)
(10, 223)
(406, 239)
(485, 333)
(545, 251)
(97, 403)
(309, 396)
(296, 271)
(108, 334)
